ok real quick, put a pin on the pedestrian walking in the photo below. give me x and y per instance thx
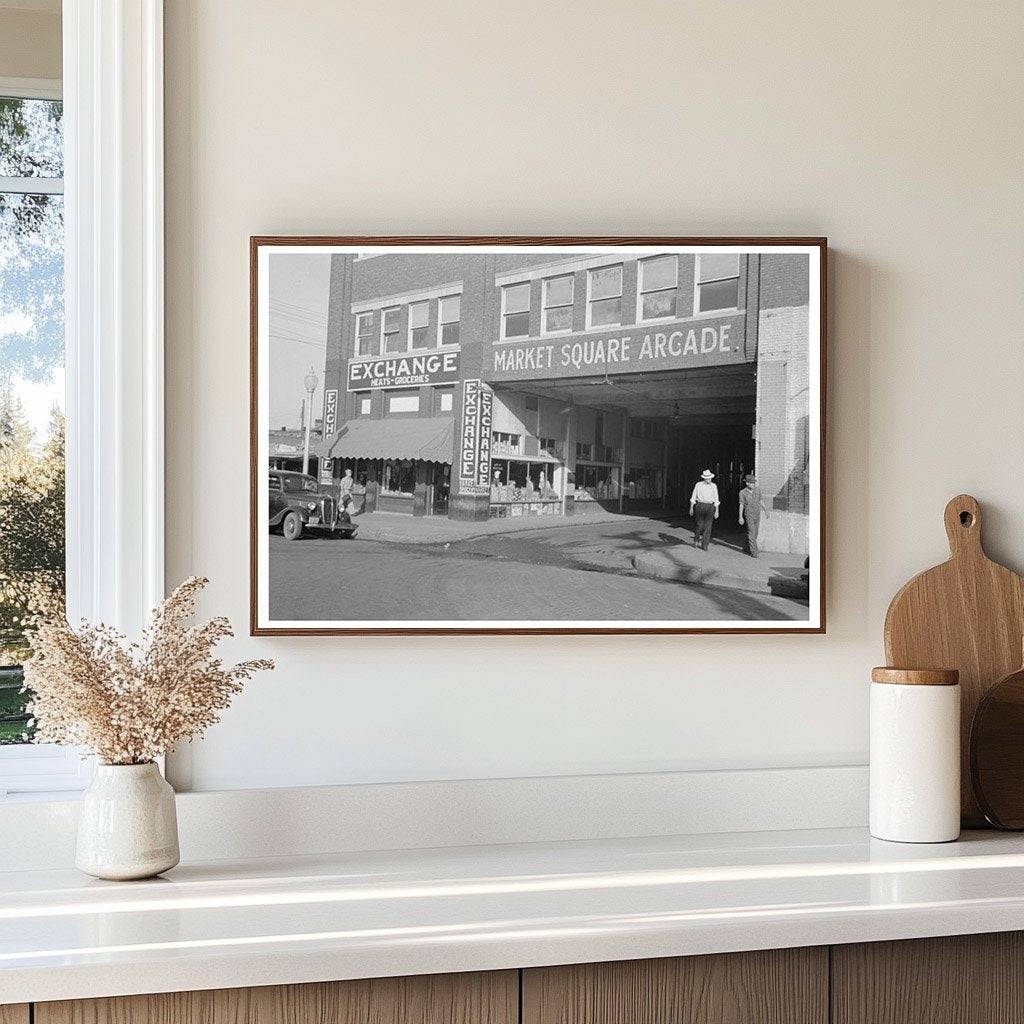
(704, 504)
(347, 483)
(751, 506)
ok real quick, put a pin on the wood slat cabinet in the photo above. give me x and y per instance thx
(775, 986)
(962, 979)
(481, 998)
(969, 979)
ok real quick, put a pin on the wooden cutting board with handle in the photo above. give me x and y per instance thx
(967, 614)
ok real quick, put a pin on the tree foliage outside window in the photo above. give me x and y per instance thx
(31, 366)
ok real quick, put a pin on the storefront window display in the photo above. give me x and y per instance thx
(644, 483)
(596, 483)
(399, 476)
(523, 488)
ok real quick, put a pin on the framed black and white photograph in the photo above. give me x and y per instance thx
(537, 435)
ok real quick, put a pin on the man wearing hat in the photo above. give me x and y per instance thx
(751, 507)
(704, 508)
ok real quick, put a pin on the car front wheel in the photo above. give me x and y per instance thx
(291, 527)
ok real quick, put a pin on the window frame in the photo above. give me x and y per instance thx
(697, 283)
(441, 323)
(505, 288)
(112, 90)
(410, 347)
(383, 350)
(358, 336)
(591, 271)
(39, 768)
(640, 292)
(544, 307)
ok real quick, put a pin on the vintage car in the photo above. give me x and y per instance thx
(297, 504)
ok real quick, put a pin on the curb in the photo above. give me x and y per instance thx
(562, 523)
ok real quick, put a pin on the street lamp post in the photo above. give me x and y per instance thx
(311, 383)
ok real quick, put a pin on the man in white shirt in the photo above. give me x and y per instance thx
(704, 508)
(347, 483)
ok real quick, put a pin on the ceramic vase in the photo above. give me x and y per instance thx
(127, 825)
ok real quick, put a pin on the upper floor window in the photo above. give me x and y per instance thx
(557, 307)
(515, 310)
(419, 318)
(604, 296)
(505, 443)
(718, 282)
(364, 334)
(657, 291)
(448, 315)
(390, 330)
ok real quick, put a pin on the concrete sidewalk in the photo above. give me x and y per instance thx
(722, 565)
(403, 529)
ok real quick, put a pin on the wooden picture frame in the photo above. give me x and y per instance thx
(505, 359)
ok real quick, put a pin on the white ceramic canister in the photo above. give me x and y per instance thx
(127, 825)
(915, 755)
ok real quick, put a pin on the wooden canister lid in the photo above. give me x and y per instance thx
(916, 676)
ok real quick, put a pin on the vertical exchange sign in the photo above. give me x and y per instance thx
(330, 425)
(475, 444)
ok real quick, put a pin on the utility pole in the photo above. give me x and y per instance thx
(311, 382)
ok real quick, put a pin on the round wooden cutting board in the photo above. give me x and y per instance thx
(967, 614)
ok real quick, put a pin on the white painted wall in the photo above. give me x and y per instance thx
(895, 129)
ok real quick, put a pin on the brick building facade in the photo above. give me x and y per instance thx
(474, 384)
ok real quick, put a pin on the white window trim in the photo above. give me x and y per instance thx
(640, 318)
(114, 312)
(544, 304)
(529, 309)
(32, 88)
(622, 290)
(724, 310)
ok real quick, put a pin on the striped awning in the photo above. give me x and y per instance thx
(427, 438)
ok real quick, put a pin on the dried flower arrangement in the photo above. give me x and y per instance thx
(129, 703)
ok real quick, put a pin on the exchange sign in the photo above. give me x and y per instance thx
(475, 440)
(408, 371)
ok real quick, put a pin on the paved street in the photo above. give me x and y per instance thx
(578, 572)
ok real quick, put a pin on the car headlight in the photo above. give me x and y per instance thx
(311, 506)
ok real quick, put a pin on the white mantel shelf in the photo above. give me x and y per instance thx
(264, 922)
